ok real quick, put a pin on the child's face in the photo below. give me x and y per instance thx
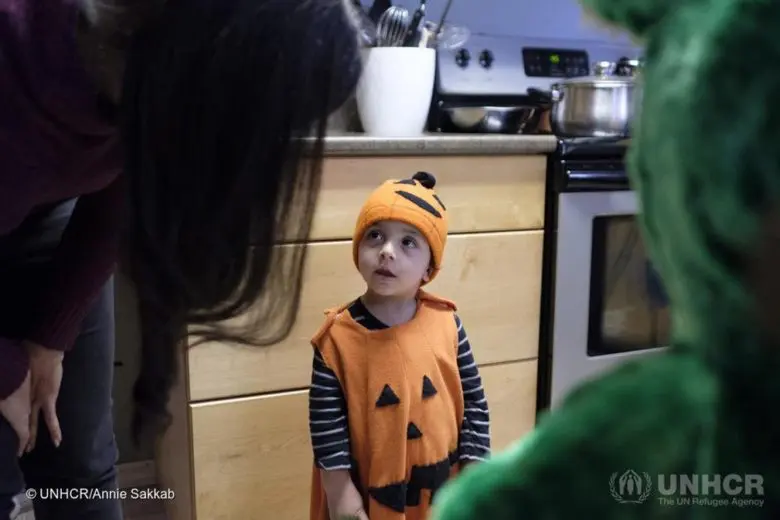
(394, 258)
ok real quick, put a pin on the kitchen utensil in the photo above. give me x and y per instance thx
(412, 37)
(493, 119)
(426, 36)
(440, 25)
(392, 26)
(450, 37)
(395, 90)
(600, 105)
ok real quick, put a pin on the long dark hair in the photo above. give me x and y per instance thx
(224, 107)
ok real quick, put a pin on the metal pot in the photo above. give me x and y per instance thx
(493, 119)
(592, 106)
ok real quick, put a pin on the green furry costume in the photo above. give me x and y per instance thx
(705, 160)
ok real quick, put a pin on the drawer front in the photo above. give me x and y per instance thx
(495, 278)
(252, 456)
(482, 193)
(511, 392)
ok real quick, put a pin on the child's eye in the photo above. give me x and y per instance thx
(373, 234)
(409, 242)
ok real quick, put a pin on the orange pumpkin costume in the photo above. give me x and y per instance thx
(400, 407)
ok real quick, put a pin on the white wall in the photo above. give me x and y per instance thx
(531, 18)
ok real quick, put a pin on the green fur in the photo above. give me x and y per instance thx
(705, 160)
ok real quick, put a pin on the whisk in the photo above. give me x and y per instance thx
(392, 26)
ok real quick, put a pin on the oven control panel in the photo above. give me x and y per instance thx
(555, 63)
(508, 66)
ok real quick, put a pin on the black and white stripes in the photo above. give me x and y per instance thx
(328, 418)
(474, 442)
(328, 409)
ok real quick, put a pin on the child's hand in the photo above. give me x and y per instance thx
(357, 515)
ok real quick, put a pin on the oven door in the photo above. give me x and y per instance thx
(609, 304)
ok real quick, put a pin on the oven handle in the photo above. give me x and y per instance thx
(593, 180)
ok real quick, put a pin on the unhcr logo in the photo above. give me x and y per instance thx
(630, 487)
(712, 490)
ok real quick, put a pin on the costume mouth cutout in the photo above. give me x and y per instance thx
(410, 414)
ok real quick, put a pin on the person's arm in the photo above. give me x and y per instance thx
(329, 433)
(474, 441)
(82, 263)
(27, 129)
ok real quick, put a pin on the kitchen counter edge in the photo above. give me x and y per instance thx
(438, 144)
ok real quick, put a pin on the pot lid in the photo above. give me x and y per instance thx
(604, 74)
(598, 81)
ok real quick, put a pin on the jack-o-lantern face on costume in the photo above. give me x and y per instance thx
(405, 401)
(429, 476)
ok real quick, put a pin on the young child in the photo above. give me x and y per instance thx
(396, 405)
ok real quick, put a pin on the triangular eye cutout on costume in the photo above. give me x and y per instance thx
(428, 389)
(420, 203)
(412, 431)
(387, 397)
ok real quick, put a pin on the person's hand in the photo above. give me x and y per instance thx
(45, 379)
(16, 410)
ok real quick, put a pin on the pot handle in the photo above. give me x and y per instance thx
(546, 97)
(540, 96)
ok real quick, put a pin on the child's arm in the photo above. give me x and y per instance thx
(329, 432)
(474, 442)
(344, 500)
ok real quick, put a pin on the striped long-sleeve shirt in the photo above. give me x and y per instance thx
(328, 424)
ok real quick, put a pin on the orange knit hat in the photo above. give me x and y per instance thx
(413, 202)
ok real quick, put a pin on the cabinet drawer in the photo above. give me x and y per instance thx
(252, 456)
(482, 193)
(494, 278)
(511, 392)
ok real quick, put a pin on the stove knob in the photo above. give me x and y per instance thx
(462, 58)
(486, 58)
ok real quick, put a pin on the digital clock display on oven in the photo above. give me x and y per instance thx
(555, 63)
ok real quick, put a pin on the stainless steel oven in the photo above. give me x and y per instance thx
(602, 301)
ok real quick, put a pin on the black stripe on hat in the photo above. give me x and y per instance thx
(414, 199)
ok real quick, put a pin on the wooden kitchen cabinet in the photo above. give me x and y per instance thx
(254, 456)
(239, 447)
(495, 278)
(481, 193)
